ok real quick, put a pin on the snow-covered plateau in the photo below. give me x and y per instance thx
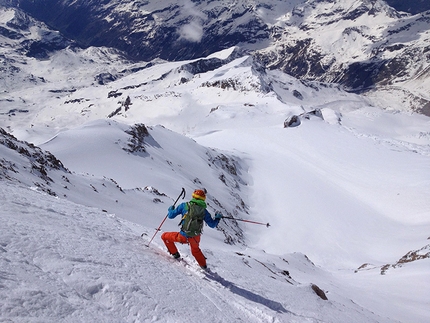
(94, 149)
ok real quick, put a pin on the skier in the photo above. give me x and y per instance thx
(193, 213)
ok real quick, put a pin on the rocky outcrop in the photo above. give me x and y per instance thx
(410, 257)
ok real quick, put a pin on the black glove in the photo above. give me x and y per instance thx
(218, 216)
(171, 208)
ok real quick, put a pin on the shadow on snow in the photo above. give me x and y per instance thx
(275, 306)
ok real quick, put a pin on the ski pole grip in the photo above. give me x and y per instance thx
(182, 194)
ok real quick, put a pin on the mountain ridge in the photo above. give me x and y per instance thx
(366, 46)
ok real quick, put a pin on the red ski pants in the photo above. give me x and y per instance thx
(170, 238)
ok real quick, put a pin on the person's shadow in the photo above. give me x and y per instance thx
(275, 306)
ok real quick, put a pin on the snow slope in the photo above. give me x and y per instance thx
(63, 261)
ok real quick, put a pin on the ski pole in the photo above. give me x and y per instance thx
(249, 221)
(159, 228)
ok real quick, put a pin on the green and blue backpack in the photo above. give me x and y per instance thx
(192, 221)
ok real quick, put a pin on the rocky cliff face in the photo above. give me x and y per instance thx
(361, 44)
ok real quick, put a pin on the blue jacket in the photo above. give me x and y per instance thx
(183, 209)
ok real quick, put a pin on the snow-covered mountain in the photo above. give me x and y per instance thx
(364, 45)
(76, 85)
(95, 147)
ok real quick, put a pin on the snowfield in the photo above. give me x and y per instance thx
(63, 261)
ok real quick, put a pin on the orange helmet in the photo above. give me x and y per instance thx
(199, 194)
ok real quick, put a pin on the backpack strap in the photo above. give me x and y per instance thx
(185, 215)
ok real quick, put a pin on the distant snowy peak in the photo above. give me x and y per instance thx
(335, 35)
(26, 42)
(23, 34)
(23, 39)
(363, 45)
